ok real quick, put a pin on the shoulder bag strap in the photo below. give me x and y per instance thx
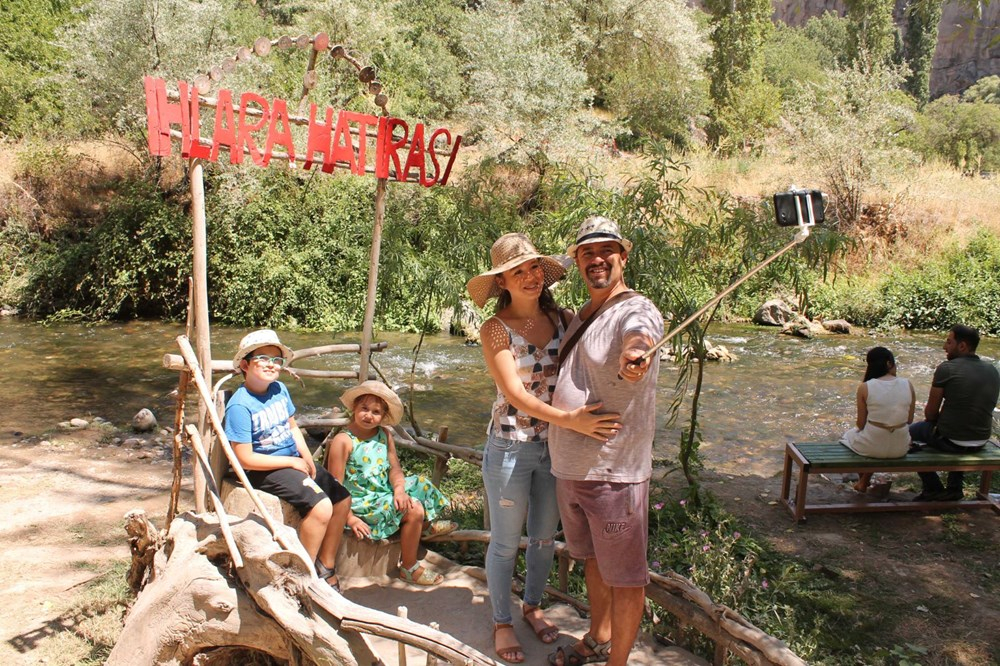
(571, 341)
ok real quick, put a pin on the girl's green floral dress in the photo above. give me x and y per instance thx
(367, 478)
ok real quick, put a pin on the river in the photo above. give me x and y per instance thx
(779, 389)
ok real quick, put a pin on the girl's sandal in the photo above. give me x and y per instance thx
(439, 528)
(426, 577)
(545, 630)
(512, 652)
(324, 572)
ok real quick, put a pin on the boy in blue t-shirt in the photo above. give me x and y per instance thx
(260, 424)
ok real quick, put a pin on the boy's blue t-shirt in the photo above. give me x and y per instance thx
(262, 420)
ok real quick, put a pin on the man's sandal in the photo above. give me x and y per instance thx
(512, 653)
(571, 657)
(426, 577)
(324, 572)
(439, 528)
(545, 630)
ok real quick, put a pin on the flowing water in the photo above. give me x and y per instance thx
(779, 389)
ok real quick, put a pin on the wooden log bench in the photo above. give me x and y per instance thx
(356, 557)
(833, 457)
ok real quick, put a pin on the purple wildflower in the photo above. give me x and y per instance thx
(658, 506)
(736, 535)
(764, 584)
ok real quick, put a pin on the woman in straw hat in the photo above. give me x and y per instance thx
(521, 347)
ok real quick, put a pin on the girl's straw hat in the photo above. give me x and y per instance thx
(372, 387)
(509, 251)
(265, 337)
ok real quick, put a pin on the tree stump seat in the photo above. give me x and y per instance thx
(355, 558)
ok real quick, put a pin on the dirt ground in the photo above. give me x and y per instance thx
(63, 498)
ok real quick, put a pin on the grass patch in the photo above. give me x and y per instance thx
(86, 632)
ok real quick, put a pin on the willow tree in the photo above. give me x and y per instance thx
(691, 243)
(744, 103)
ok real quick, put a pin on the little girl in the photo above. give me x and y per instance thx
(383, 500)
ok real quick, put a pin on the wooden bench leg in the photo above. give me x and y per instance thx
(800, 493)
(786, 477)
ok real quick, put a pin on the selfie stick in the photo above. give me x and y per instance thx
(803, 233)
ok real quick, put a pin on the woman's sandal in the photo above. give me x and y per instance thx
(439, 528)
(426, 577)
(570, 656)
(324, 572)
(512, 653)
(545, 630)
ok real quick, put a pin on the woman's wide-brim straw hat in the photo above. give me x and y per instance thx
(372, 387)
(265, 337)
(508, 251)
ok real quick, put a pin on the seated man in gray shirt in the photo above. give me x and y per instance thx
(959, 411)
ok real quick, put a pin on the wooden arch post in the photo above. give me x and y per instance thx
(249, 126)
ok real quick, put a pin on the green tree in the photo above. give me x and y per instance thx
(32, 69)
(966, 135)
(844, 131)
(986, 89)
(922, 19)
(744, 102)
(525, 85)
(871, 30)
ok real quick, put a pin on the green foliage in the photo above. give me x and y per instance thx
(846, 129)
(792, 59)
(922, 18)
(744, 103)
(32, 69)
(134, 264)
(965, 134)
(958, 287)
(524, 82)
(871, 31)
(986, 89)
(644, 62)
(815, 616)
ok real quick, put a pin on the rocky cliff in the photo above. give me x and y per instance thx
(963, 54)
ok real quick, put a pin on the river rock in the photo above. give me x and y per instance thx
(719, 353)
(78, 423)
(773, 313)
(133, 443)
(801, 327)
(837, 326)
(466, 322)
(144, 421)
(8, 311)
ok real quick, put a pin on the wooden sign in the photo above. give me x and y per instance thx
(260, 128)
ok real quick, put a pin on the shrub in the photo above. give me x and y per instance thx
(965, 134)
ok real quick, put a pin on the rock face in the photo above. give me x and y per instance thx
(963, 55)
(773, 313)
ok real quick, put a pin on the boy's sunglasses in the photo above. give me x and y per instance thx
(273, 360)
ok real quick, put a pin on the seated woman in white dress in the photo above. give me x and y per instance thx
(885, 409)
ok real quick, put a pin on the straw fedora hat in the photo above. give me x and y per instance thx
(598, 229)
(508, 251)
(265, 337)
(379, 389)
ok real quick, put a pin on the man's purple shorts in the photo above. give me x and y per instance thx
(610, 523)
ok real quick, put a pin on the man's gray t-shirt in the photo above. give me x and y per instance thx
(589, 375)
(971, 387)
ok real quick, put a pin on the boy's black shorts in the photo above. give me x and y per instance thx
(297, 488)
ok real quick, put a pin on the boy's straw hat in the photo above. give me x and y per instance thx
(372, 387)
(265, 337)
(598, 229)
(508, 251)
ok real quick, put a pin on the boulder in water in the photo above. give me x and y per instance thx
(144, 421)
(774, 312)
(837, 326)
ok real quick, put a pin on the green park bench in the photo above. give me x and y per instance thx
(833, 457)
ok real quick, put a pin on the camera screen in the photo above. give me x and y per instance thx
(786, 212)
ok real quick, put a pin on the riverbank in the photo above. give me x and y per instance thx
(913, 583)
